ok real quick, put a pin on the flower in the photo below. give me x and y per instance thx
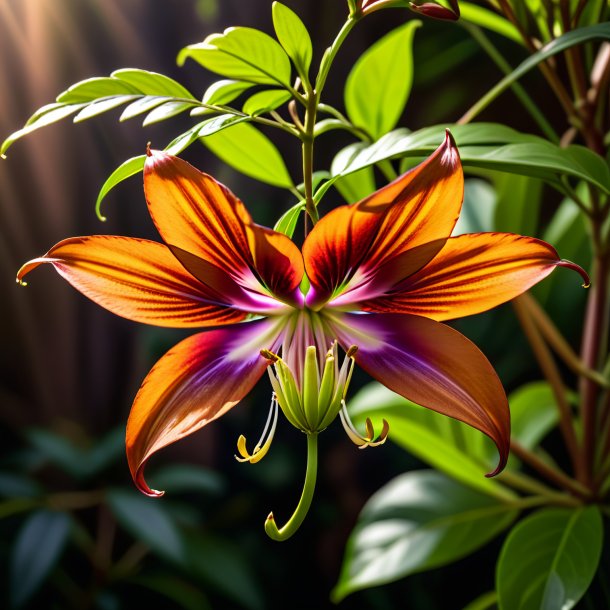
(382, 274)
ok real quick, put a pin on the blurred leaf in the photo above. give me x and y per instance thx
(176, 589)
(287, 222)
(477, 209)
(265, 101)
(294, 37)
(549, 559)
(487, 601)
(242, 54)
(451, 446)
(224, 91)
(166, 111)
(226, 568)
(489, 20)
(378, 86)
(533, 413)
(152, 83)
(18, 486)
(356, 186)
(418, 521)
(147, 520)
(36, 550)
(94, 88)
(250, 152)
(58, 450)
(179, 478)
(127, 169)
(518, 205)
(102, 105)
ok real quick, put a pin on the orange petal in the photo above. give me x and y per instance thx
(355, 241)
(471, 274)
(432, 365)
(197, 214)
(138, 279)
(194, 383)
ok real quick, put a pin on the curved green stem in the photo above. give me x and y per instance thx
(329, 56)
(293, 524)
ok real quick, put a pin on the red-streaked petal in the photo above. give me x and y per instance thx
(194, 383)
(137, 279)
(420, 206)
(197, 214)
(436, 11)
(432, 365)
(472, 273)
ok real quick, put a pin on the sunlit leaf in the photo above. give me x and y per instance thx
(293, 36)
(102, 105)
(379, 84)
(288, 220)
(224, 91)
(356, 186)
(418, 521)
(250, 152)
(265, 101)
(489, 20)
(127, 169)
(37, 549)
(549, 559)
(166, 111)
(94, 88)
(533, 413)
(142, 105)
(152, 83)
(518, 204)
(242, 54)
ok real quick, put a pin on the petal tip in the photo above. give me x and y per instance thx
(583, 274)
(142, 485)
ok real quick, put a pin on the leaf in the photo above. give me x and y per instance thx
(226, 568)
(218, 123)
(477, 209)
(549, 559)
(294, 37)
(166, 111)
(250, 152)
(102, 105)
(288, 220)
(378, 86)
(180, 478)
(575, 37)
(533, 413)
(487, 601)
(242, 54)
(142, 105)
(224, 91)
(13, 485)
(356, 186)
(152, 83)
(518, 205)
(57, 450)
(127, 169)
(418, 521)
(446, 444)
(147, 520)
(37, 549)
(265, 101)
(489, 20)
(94, 88)
(170, 587)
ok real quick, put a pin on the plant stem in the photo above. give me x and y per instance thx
(331, 52)
(307, 138)
(549, 368)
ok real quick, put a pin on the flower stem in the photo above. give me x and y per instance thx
(293, 524)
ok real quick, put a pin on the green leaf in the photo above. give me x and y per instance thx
(418, 521)
(224, 91)
(226, 568)
(147, 520)
(218, 123)
(37, 549)
(356, 186)
(127, 169)
(533, 413)
(288, 220)
(152, 83)
(575, 37)
(94, 88)
(142, 105)
(378, 86)
(242, 54)
(294, 37)
(265, 101)
(57, 450)
(166, 111)
(489, 20)
(102, 105)
(487, 601)
(250, 152)
(477, 209)
(179, 478)
(549, 559)
(446, 444)
(518, 204)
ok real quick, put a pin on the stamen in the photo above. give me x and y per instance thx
(264, 443)
(363, 441)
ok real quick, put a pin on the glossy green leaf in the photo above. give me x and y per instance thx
(218, 123)
(446, 444)
(152, 83)
(224, 91)
(103, 105)
(549, 559)
(287, 222)
(518, 204)
(242, 54)
(487, 601)
(477, 209)
(225, 567)
(418, 521)
(356, 186)
(142, 105)
(128, 168)
(37, 549)
(378, 86)
(489, 20)
(533, 413)
(265, 101)
(250, 152)
(149, 522)
(166, 111)
(179, 478)
(94, 88)
(293, 36)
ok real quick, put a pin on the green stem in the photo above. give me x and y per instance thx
(308, 138)
(331, 52)
(293, 524)
(486, 44)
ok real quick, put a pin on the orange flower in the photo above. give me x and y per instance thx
(383, 273)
